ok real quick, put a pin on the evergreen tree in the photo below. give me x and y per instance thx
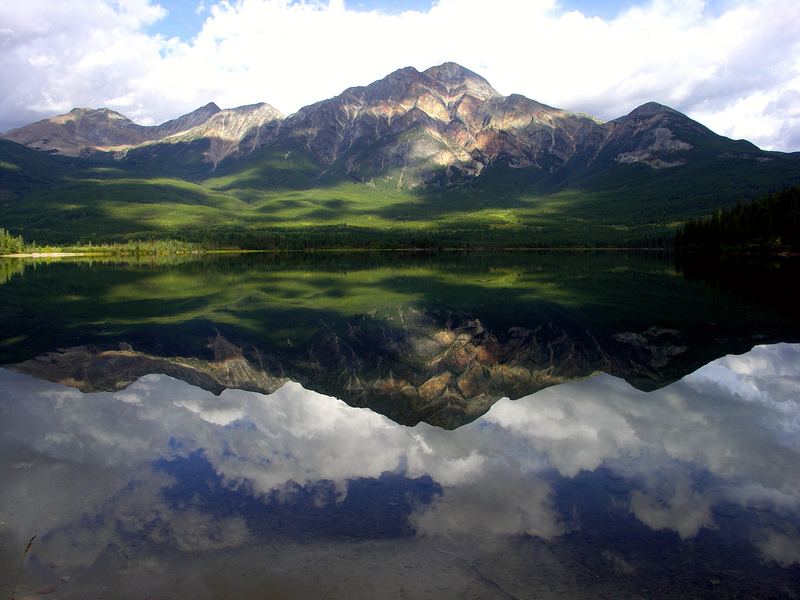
(10, 244)
(771, 223)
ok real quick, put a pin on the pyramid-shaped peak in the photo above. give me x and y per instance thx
(453, 75)
(450, 72)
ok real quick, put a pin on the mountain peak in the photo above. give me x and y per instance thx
(203, 112)
(452, 73)
(197, 117)
(651, 109)
(103, 112)
(454, 76)
(82, 110)
(257, 108)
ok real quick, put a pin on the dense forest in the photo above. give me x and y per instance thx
(341, 237)
(10, 244)
(769, 224)
(17, 245)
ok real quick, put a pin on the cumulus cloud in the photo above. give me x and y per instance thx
(56, 55)
(736, 69)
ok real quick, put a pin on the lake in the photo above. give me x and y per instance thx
(400, 425)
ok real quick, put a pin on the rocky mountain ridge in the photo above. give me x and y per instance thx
(438, 126)
(85, 132)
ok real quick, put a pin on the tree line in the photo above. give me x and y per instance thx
(769, 224)
(10, 244)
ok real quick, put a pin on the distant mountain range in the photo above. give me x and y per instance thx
(86, 132)
(446, 129)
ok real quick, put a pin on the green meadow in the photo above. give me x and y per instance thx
(276, 198)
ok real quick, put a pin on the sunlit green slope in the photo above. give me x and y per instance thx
(281, 195)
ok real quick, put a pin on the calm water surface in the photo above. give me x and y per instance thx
(448, 426)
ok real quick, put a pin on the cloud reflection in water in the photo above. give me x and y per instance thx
(111, 478)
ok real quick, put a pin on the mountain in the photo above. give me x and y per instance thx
(438, 151)
(79, 130)
(442, 125)
(186, 122)
(445, 121)
(446, 125)
(192, 152)
(84, 131)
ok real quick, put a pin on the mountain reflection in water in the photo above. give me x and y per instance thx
(417, 338)
(586, 489)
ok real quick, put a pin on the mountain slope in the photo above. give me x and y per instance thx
(24, 169)
(437, 155)
(85, 132)
(439, 125)
(79, 131)
(447, 126)
(227, 132)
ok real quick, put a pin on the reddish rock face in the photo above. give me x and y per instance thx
(425, 122)
(440, 125)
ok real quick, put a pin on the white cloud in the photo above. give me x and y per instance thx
(736, 70)
(56, 55)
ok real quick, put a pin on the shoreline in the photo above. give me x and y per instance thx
(692, 254)
(68, 254)
(44, 254)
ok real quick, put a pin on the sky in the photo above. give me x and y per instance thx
(733, 65)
